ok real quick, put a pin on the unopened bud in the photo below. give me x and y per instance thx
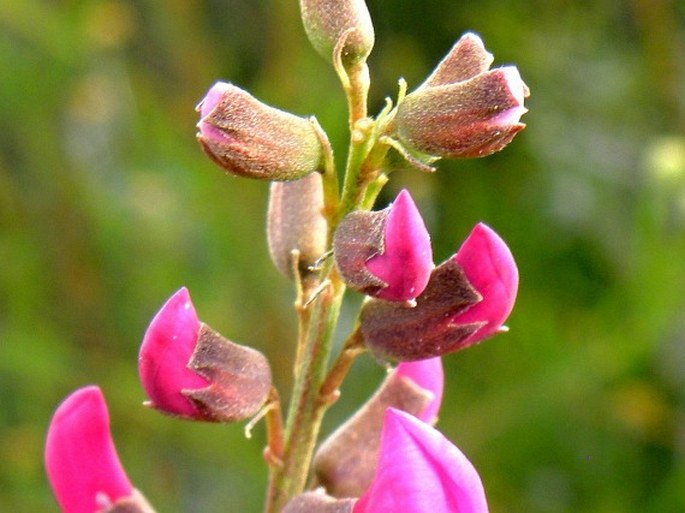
(467, 299)
(387, 253)
(327, 21)
(191, 371)
(463, 109)
(295, 223)
(248, 138)
(346, 461)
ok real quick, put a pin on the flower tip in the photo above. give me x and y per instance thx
(420, 470)
(490, 268)
(518, 88)
(212, 99)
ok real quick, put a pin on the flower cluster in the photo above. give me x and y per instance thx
(327, 239)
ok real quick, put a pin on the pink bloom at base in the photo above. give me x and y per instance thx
(420, 471)
(80, 458)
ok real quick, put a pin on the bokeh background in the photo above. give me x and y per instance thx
(107, 206)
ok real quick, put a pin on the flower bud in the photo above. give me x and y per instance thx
(318, 502)
(385, 254)
(467, 299)
(295, 222)
(420, 471)
(248, 138)
(189, 370)
(326, 21)
(346, 461)
(463, 109)
(81, 461)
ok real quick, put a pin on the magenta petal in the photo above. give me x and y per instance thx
(167, 347)
(491, 270)
(81, 461)
(429, 375)
(420, 471)
(407, 260)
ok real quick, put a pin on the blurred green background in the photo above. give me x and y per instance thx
(107, 206)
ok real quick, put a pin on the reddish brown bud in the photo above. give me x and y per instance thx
(248, 138)
(295, 222)
(386, 253)
(463, 109)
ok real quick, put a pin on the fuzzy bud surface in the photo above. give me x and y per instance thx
(249, 138)
(295, 222)
(327, 21)
(464, 109)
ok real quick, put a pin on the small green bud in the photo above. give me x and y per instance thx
(248, 138)
(327, 21)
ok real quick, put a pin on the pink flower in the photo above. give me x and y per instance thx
(387, 253)
(191, 371)
(467, 299)
(407, 258)
(81, 462)
(427, 374)
(420, 471)
(167, 348)
(490, 268)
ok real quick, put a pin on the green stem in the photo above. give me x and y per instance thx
(319, 315)
(306, 407)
